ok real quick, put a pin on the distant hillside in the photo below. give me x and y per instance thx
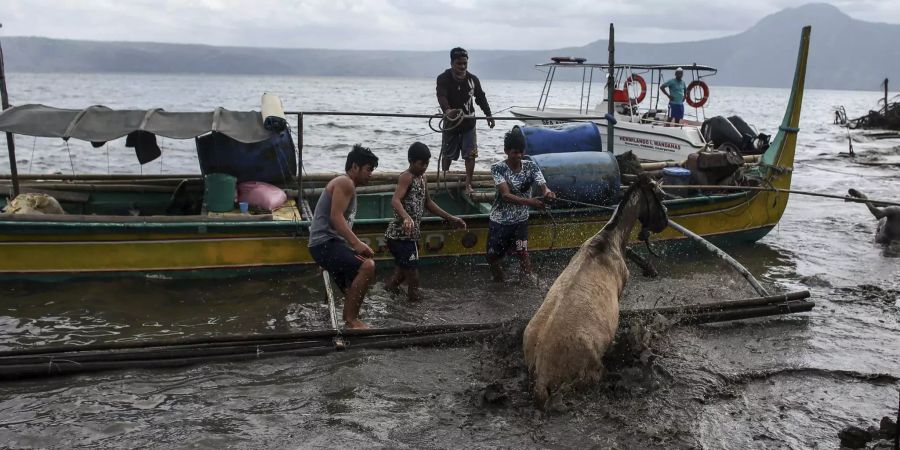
(845, 54)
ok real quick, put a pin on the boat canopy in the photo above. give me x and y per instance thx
(691, 66)
(100, 124)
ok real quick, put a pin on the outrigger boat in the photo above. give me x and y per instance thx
(641, 127)
(125, 225)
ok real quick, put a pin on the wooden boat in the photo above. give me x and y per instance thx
(99, 236)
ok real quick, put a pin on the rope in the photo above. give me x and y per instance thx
(787, 191)
(71, 161)
(31, 160)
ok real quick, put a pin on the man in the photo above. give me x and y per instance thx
(457, 93)
(508, 227)
(332, 243)
(674, 89)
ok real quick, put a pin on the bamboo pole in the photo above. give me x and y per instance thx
(722, 306)
(332, 311)
(381, 188)
(721, 254)
(611, 89)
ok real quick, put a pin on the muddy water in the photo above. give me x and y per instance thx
(784, 382)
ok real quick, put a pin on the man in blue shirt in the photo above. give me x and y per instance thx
(674, 89)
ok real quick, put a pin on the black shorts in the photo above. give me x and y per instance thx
(455, 143)
(406, 253)
(341, 262)
(507, 238)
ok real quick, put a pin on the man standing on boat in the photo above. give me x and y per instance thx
(508, 226)
(674, 89)
(332, 243)
(458, 91)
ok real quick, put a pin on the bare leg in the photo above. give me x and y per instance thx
(393, 282)
(412, 279)
(470, 169)
(355, 294)
(496, 269)
(525, 263)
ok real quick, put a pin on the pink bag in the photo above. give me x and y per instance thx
(261, 195)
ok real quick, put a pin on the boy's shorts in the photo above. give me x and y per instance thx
(507, 238)
(406, 253)
(341, 262)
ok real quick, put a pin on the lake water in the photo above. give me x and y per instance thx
(784, 382)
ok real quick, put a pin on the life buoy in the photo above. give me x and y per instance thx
(640, 81)
(565, 59)
(689, 97)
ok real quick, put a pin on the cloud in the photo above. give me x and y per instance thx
(400, 24)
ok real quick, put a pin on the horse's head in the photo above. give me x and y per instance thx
(653, 215)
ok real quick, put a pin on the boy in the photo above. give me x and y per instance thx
(410, 201)
(332, 243)
(508, 227)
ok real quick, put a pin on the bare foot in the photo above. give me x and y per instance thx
(414, 295)
(469, 190)
(355, 324)
(392, 286)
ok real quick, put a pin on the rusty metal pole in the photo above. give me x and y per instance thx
(10, 140)
(611, 87)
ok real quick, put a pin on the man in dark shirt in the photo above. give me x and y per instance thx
(457, 93)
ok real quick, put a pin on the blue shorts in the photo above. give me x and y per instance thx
(507, 238)
(676, 111)
(455, 143)
(406, 253)
(341, 262)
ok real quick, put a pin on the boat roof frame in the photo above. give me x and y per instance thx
(604, 66)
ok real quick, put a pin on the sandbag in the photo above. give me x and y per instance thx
(33, 203)
(261, 195)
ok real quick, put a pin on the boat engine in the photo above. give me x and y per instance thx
(736, 132)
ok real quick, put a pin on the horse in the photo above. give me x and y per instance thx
(888, 230)
(566, 339)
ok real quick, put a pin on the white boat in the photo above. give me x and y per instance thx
(641, 122)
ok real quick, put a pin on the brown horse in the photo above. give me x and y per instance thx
(565, 341)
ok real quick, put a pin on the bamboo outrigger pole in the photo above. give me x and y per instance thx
(610, 90)
(10, 140)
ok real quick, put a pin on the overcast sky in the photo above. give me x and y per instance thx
(400, 24)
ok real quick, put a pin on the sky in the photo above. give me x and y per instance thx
(422, 25)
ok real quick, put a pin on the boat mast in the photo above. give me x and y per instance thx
(10, 141)
(611, 87)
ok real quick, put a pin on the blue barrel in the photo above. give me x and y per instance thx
(676, 176)
(590, 177)
(583, 137)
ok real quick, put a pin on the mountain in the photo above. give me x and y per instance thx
(845, 53)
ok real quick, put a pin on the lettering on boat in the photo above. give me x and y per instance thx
(652, 144)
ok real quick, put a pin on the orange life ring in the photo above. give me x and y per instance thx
(690, 89)
(640, 81)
